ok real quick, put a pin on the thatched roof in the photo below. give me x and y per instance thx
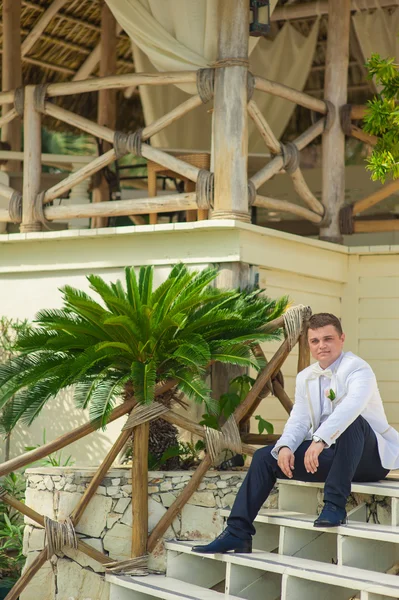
(74, 32)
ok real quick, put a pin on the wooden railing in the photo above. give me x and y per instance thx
(141, 543)
(33, 210)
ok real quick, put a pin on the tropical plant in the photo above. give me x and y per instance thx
(11, 529)
(382, 118)
(52, 460)
(132, 338)
(9, 330)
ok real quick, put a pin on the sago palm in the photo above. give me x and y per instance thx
(133, 337)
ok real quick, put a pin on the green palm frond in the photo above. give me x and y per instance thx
(130, 333)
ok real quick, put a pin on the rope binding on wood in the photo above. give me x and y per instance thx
(15, 207)
(345, 118)
(206, 84)
(290, 154)
(230, 62)
(38, 211)
(251, 193)
(346, 222)
(137, 566)
(128, 143)
(39, 97)
(58, 535)
(19, 100)
(205, 189)
(228, 437)
(294, 321)
(143, 413)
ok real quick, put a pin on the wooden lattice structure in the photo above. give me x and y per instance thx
(223, 189)
(60, 534)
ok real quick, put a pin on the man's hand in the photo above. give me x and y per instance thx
(286, 461)
(311, 459)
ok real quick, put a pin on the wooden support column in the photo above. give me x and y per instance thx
(106, 98)
(230, 123)
(335, 91)
(11, 74)
(140, 490)
(32, 161)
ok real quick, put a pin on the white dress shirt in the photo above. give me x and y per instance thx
(327, 406)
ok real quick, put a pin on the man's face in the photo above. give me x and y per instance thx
(325, 344)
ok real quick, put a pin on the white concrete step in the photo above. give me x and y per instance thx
(386, 487)
(266, 575)
(287, 518)
(159, 586)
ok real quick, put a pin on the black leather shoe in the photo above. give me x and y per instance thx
(225, 542)
(331, 516)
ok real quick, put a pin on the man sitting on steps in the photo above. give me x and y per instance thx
(337, 433)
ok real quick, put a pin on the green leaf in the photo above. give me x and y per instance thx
(209, 421)
(228, 403)
(144, 378)
(264, 425)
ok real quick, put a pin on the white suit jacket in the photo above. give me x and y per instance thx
(357, 393)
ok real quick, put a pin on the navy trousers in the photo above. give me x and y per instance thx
(354, 457)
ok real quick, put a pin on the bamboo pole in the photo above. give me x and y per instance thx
(285, 206)
(302, 189)
(7, 97)
(74, 178)
(78, 511)
(118, 82)
(283, 91)
(170, 162)
(361, 135)
(358, 111)
(106, 105)
(74, 435)
(11, 74)
(335, 91)
(230, 123)
(9, 116)
(27, 576)
(374, 226)
(4, 215)
(277, 163)
(264, 128)
(32, 165)
(376, 197)
(66, 116)
(41, 25)
(50, 159)
(304, 352)
(140, 495)
(6, 192)
(117, 208)
(171, 117)
(91, 61)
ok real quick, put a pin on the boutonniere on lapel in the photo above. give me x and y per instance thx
(330, 394)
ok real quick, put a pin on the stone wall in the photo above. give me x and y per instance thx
(107, 522)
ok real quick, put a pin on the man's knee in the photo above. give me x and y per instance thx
(263, 455)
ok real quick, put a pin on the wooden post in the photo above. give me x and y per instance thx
(304, 352)
(230, 123)
(106, 98)
(335, 91)
(32, 161)
(140, 490)
(11, 73)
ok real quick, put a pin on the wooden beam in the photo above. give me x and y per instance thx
(320, 7)
(64, 15)
(376, 226)
(91, 62)
(106, 115)
(230, 135)
(383, 192)
(285, 206)
(283, 91)
(32, 161)
(11, 74)
(41, 25)
(335, 92)
(140, 490)
(258, 439)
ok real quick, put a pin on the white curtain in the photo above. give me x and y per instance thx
(377, 33)
(173, 35)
